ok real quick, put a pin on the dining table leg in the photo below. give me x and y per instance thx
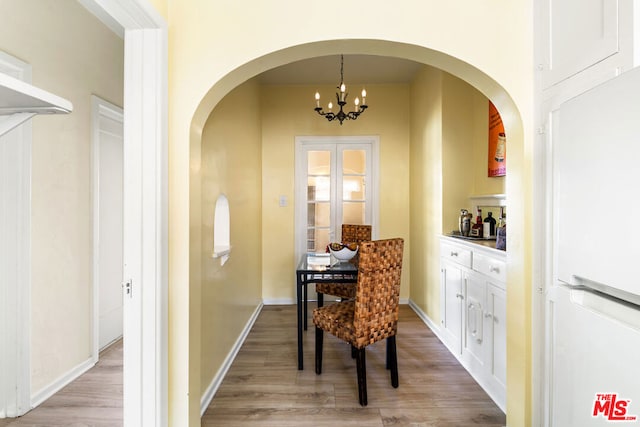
(299, 286)
(306, 299)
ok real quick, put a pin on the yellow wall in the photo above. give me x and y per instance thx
(426, 189)
(288, 112)
(231, 165)
(211, 53)
(74, 56)
(449, 130)
(465, 151)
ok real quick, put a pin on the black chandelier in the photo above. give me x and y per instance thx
(341, 98)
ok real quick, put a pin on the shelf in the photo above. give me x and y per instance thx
(19, 101)
(490, 200)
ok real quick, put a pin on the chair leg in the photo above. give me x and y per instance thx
(361, 367)
(354, 352)
(387, 361)
(392, 360)
(320, 299)
(319, 338)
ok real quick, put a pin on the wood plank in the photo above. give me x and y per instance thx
(435, 390)
(264, 387)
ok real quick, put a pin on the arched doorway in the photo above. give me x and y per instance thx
(463, 70)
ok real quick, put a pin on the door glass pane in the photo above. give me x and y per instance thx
(353, 213)
(318, 188)
(318, 162)
(319, 214)
(353, 188)
(318, 241)
(318, 200)
(354, 162)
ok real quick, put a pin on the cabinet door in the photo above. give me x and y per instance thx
(496, 329)
(452, 299)
(581, 34)
(474, 336)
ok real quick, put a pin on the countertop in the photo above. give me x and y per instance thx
(487, 243)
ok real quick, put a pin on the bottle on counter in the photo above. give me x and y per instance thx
(501, 232)
(492, 223)
(463, 223)
(476, 229)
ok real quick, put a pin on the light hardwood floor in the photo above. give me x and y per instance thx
(94, 399)
(264, 388)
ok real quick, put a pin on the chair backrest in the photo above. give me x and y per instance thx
(378, 290)
(355, 233)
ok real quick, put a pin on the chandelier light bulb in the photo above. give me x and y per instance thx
(317, 99)
(330, 106)
(364, 95)
(356, 101)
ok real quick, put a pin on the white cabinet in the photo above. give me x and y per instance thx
(473, 312)
(586, 42)
(451, 289)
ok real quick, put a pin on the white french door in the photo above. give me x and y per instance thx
(336, 183)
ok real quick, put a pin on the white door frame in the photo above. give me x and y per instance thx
(15, 258)
(145, 202)
(100, 109)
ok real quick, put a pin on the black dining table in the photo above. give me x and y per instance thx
(318, 268)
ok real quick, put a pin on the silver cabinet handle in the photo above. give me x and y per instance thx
(454, 253)
(488, 315)
(460, 296)
(474, 321)
(494, 269)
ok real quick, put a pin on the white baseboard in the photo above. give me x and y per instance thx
(426, 319)
(279, 301)
(207, 397)
(48, 391)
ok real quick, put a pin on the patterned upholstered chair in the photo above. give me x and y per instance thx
(350, 234)
(373, 315)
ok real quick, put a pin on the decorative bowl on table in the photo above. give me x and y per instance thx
(343, 252)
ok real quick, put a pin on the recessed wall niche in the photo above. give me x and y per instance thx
(221, 230)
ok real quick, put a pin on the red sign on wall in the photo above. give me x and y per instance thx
(497, 144)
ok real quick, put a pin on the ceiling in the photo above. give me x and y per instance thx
(358, 69)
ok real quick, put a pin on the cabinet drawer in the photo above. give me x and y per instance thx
(494, 268)
(456, 254)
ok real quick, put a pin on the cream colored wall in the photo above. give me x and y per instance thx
(458, 162)
(288, 112)
(449, 130)
(465, 151)
(211, 53)
(426, 189)
(73, 55)
(231, 165)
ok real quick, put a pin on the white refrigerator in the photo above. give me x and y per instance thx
(593, 305)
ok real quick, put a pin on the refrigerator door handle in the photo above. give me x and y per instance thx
(603, 303)
(604, 291)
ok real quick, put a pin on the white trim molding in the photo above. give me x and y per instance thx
(15, 258)
(145, 222)
(145, 229)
